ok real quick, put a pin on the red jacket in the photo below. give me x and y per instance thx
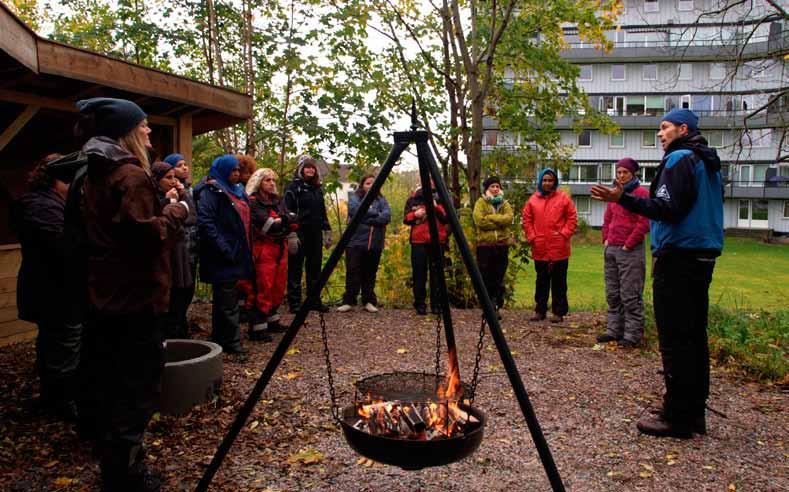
(622, 227)
(420, 229)
(548, 223)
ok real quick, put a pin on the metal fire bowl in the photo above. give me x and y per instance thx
(402, 385)
(410, 454)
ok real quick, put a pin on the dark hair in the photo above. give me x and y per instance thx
(39, 178)
(360, 186)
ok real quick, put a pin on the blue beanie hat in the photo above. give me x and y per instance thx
(109, 117)
(682, 116)
(173, 159)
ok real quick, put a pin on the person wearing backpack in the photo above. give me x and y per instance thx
(42, 287)
(127, 235)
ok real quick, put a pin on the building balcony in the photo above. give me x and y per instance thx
(671, 50)
(733, 189)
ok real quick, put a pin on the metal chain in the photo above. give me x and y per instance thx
(438, 346)
(334, 408)
(475, 377)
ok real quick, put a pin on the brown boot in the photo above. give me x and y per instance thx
(657, 425)
(537, 317)
(556, 318)
(698, 425)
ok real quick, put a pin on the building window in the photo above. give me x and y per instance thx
(616, 140)
(783, 171)
(654, 105)
(491, 137)
(685, 5)
(756, 69)
(607, 172)
(757, 138)
(651, 6)
(583, 173)
(701, 104)
(717, 71)
(715, 138)
(786, 209)
(649, 173)
(685, 71)
(684, 102)
(583, 205)
(634, 105)
(650, 72)
(585, 138)
(586, 73)
(648, 139)
(617, 72)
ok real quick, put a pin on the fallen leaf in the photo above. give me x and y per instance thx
(597, 346)
(731, 488)
(402, 351)
(63, 481)
(307, 456)
(254, 424)
(613, 474)
(293, 351)
(293, 375)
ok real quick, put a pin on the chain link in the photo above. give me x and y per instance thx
(475, 376)
(438, 346)
(329, 372)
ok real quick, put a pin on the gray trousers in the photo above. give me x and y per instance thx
(624, 288)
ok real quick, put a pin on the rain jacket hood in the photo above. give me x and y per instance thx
(697, 144)
(545, 171)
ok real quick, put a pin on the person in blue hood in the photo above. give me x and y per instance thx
(685, 206)
(223, 220)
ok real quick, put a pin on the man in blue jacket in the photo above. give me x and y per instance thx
(685, 206)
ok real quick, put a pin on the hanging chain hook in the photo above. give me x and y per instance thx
(475, 376)
(438, 346)
(329, 372)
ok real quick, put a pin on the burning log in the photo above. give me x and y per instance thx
(413, 419)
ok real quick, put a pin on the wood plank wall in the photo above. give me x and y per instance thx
(11, 329)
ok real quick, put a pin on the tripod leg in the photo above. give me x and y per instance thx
(493, 323)
(298, 321)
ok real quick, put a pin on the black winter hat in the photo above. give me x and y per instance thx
(105, 116)
(491, 179)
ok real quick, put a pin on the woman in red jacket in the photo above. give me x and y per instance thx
(623, 236)
(549, 219)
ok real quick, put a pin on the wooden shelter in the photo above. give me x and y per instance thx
(40, 81)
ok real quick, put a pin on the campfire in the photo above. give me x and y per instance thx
(439, 417)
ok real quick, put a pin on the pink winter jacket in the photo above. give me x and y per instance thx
(622, 227)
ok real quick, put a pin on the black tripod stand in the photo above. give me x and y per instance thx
(427, 169)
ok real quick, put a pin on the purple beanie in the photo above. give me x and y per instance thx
(628, 163)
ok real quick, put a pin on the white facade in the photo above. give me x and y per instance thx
(666, 56)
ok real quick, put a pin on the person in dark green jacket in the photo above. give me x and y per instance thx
(493, 220)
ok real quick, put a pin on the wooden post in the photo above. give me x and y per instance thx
(184, 143)
(16, 126)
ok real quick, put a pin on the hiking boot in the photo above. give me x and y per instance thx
(537, 317)
(238, 350)
(370, 308)
(657, 425)
(627, 344)
(605, 338)
(344, 308)
(699, 424)
(556, 318)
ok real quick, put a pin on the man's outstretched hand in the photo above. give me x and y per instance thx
(606, 194)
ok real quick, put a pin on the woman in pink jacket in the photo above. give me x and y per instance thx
(623, 236)
(549, 219)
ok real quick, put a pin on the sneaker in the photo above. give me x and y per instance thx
(628, 344)
(605, 338)
(656, 425)
(344, 308)
(537, 317)
(370, 308)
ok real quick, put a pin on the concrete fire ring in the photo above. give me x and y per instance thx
(192, 374)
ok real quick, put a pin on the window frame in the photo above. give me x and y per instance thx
(654, 139)
(581, 71)
(578, 139)
(709, 138)
(690, 71)
(611, 141)
(679, 6)
(624, 72)
(717, 64)
(588, 200)
(786, 210)
(644, 74)
(656, 3)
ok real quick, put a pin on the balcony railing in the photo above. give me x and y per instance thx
(680, 43)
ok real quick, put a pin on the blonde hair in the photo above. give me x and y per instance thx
(133, 142)
(253, 185)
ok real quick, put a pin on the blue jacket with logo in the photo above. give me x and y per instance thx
(685, 201)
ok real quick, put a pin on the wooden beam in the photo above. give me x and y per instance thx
(177, 109)
(64, 105)
(16, 126)
(184, 142)
(67, 61)
(17, 39)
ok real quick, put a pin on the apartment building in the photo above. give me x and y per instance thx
(674, 53)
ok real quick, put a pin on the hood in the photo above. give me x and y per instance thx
(696, 143)
(297, 174)
(105, 155)
(540, 176)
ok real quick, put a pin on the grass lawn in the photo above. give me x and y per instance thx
(749, 275)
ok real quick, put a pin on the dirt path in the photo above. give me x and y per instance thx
(587, 399)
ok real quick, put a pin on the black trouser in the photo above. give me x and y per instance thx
(225, 329)
(493, 261)
(551, 277)
(121, 371)
(176, 324)
(420, 262)
(361, 268)
(309, 256)
(680, 289)
(57, 358)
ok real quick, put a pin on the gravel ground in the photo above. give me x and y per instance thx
(586, 397)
